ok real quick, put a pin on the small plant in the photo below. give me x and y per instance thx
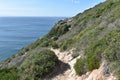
(93, 63)
(80, 66)
(74, 55)
(54, 45)
(66, 44)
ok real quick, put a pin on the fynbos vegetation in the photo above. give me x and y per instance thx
(95, 32)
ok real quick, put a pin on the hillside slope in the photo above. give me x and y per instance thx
(94, 38)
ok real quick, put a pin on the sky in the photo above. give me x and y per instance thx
(65, 8)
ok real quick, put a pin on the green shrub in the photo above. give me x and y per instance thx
(80, 66)
(112, 51)
(38, 65)
(93, 54)
(63, 47)
(66, 44)
(74, 55)
(54, 45)
(59, 29)
(84, 32)
(93, 63)
(9, 74)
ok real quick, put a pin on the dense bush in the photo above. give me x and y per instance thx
(59, 29)
(9, 74)
(112, 51)
(38, 65)
(80, 66)
(92, 60)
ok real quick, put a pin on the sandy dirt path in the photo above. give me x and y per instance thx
(69, 72)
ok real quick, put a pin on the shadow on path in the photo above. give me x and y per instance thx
(60, 69)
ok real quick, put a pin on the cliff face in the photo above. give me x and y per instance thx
(87, 46)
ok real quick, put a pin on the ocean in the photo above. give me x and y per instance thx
(18, 32)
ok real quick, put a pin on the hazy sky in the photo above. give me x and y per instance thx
(45, 7)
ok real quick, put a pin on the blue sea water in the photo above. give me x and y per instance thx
(18, 32)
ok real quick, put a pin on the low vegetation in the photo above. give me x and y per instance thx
(38, 65)
(95, 33)
(9, 74)
(106, 48)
